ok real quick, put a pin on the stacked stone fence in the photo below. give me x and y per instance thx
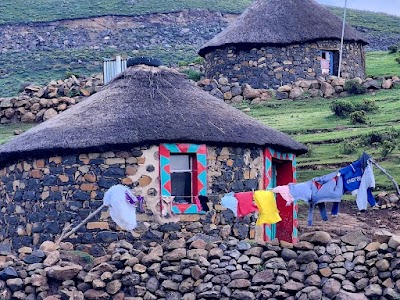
(36, 104)
(329, 87)
(201, 266)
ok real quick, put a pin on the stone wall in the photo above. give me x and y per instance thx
(39, 196)
(234, 169)
(329, 87)
(272, 67)
(36, 104)
(353, 266)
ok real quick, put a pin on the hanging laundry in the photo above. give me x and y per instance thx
(364, 194)
(198, 204)
(203, 203)
(166, 211)
(122, 204)
(328, 188)
(352, 176)
(268, 211)
(284, 191)
(229, 201)
(245, 203)
(301, 191)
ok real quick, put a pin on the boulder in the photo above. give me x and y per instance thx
(387, 84)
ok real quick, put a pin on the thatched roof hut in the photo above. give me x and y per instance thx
(276, 42)
(277, 22)
(142, 106)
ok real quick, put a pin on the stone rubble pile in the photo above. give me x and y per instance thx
(36, 104)
(207, 267)
(330, 87)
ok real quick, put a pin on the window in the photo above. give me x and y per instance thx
(182, 177)
(183, 174)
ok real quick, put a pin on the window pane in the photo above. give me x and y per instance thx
(181, 185)
(180, 162)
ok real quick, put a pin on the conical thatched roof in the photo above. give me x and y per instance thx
(143, 106)
(283, 22)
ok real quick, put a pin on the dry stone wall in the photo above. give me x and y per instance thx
(234, 169)
(39, 196)
(327, 87)
(272, 67)
(36, 104)
(208, 267)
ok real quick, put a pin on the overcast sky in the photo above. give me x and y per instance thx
(387, 6)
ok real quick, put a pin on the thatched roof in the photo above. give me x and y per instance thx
(143, 106)
(283, 22)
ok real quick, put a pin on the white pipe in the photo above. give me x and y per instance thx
(341, 43)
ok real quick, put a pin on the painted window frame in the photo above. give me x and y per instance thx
(199, 153)
(269, 154)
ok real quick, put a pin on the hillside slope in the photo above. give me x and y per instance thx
(38, 47)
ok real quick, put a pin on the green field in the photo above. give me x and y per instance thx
(382, 64)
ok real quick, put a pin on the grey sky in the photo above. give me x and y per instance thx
(386, 6)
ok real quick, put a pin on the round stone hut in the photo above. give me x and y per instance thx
(276, 42)
(152, 130)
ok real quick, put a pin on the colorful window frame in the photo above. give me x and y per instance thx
(270, 231)
(199, 173)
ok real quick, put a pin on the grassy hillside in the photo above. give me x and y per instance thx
(382, 64)
(331, 138)
(379, 22)
(26, 11)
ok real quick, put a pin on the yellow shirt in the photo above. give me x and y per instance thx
(268, 211)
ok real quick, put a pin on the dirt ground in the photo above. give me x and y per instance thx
(351, 219)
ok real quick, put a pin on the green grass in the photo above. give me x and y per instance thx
(313, 123)
(7, 131)
(27, 11)
(381, 63)
(40, 67)
(379, 22)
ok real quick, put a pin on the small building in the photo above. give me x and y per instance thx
(276, 42)
(150, 129)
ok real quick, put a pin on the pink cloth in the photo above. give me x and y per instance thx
(198, 203)
(283, 190)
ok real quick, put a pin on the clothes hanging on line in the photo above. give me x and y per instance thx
(353, 174)
(229, 201)
(122, 204)
(245, 204)
(203, 203)
(268, 211)
(284, 191)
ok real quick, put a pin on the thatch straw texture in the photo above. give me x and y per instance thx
(143, 106)
(282, 22)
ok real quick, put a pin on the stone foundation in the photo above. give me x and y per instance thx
(353, 266)
(272, 67)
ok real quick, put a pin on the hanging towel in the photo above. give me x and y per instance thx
(266, 203)
(301, 191)
(122, 204)
(364, 194)
(284, 191)
(245, 203)
(229, 201)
